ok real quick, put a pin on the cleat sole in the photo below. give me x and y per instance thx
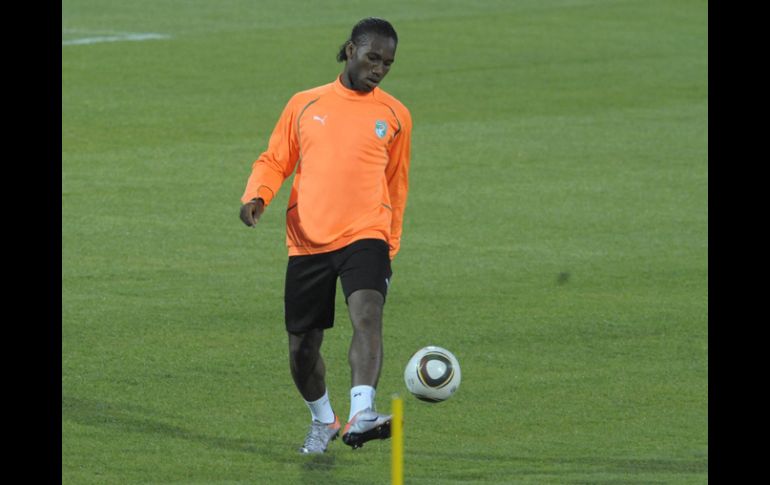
(357, 440)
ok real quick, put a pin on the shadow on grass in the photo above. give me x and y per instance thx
(127, 418)
(319, 468)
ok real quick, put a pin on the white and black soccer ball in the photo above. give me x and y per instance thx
(432, 374)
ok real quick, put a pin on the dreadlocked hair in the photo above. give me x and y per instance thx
(362, 30)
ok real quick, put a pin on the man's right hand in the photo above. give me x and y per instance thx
(251, 211)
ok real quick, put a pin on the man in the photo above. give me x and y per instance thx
(350, 144)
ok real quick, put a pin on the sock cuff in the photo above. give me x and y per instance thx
(321, 409)
(361, 397)
(367, 389)
(320, 399)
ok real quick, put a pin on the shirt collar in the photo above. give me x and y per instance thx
(340, 89)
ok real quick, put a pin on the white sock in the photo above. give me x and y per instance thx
(361, 397)
(321, 409)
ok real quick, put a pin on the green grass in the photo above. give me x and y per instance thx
(550, 137)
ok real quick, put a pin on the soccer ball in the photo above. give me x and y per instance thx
(432, 374)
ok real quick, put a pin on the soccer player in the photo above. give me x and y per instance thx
(350, 144)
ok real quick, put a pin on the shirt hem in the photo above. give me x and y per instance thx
(296, 250)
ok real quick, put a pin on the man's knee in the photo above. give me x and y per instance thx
(365, 307)
(305, 346)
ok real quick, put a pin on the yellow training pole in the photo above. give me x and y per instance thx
(397, 439)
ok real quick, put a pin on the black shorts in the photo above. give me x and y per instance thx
(311, 281)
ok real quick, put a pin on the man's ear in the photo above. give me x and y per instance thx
(350, 48)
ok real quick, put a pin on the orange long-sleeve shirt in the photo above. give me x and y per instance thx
(351, 152)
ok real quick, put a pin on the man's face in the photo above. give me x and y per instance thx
(369, 62)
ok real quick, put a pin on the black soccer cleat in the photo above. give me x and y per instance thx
(365, 426)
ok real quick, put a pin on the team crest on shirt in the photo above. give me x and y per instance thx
(380, 128)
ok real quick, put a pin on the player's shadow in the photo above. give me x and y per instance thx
(318, 465)
(131, 418)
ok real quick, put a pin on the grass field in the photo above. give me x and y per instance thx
(556, 240)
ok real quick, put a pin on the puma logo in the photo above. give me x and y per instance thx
(322, 120)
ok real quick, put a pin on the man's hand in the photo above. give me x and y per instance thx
(251, 211)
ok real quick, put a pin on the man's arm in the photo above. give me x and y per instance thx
(397, 173)
(272, 167)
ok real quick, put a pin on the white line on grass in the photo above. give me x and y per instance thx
(115, 38)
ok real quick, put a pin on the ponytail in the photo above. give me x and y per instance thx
(342, 55)
(370, 25)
